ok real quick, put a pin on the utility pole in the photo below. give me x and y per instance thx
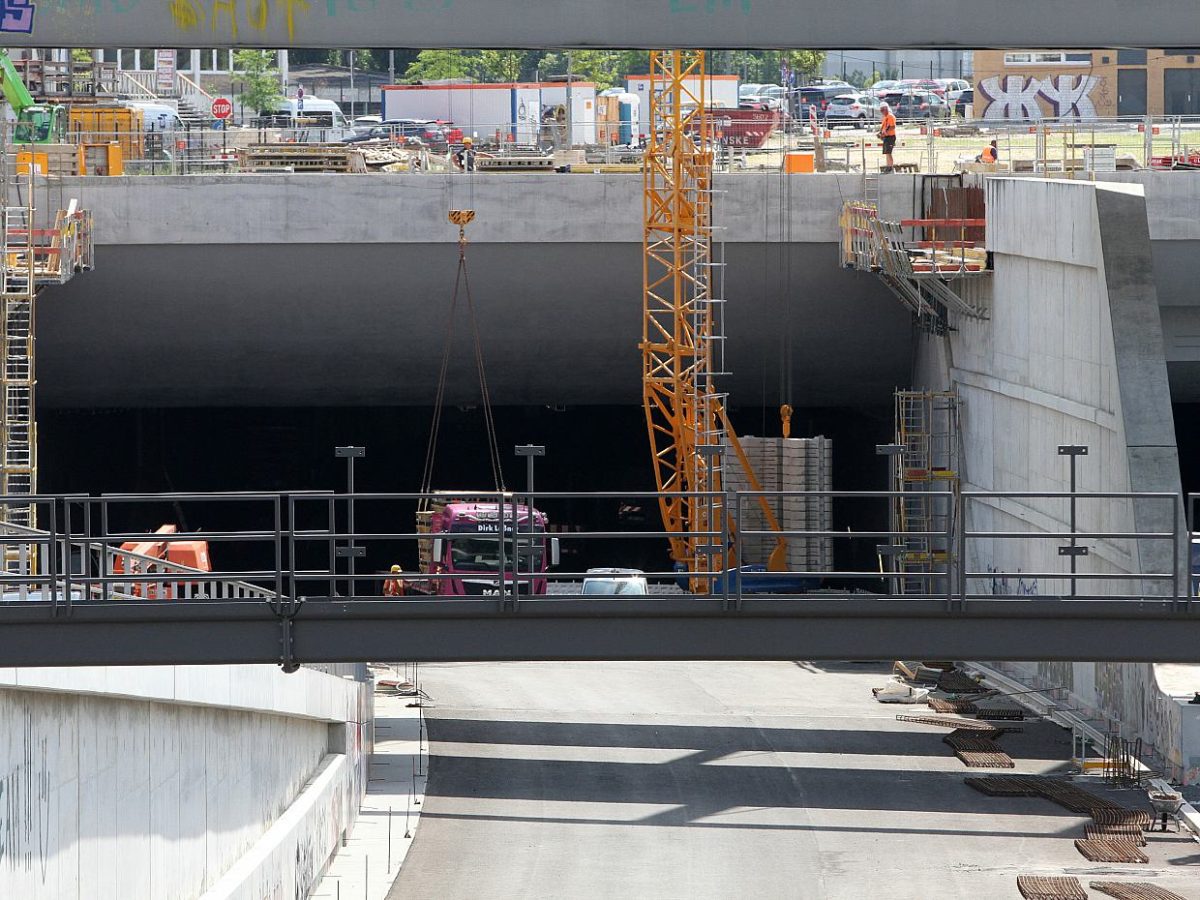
(570, 111)
(391, 68)
(351, 85)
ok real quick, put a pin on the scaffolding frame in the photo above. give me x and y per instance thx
(925, 473)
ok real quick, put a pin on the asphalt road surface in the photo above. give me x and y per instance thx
(724, 780)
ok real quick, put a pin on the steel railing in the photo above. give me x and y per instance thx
(289, 548)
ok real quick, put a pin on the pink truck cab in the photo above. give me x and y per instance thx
(465, 541)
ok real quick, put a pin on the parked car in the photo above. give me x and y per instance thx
(880, 88)
(428, 132)
(750, 90)
(614, 582)
(819, 96)
(852, 109)
(911, 105)
(953, 88)
(965, 99)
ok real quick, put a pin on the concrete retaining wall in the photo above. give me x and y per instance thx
(1073, 354)
(151, 783)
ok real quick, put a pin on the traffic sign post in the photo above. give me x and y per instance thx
(221, 108)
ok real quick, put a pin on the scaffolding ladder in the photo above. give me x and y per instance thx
(925, 476)
(18, 426)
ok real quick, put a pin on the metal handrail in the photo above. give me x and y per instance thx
(83, 566)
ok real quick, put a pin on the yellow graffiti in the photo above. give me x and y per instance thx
(187, 14)
(192, 14)
(257, 17)
(229, 6)
(292, 6)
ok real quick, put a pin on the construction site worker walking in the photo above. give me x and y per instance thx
(394, 586)
(464, 159)
(887, 134)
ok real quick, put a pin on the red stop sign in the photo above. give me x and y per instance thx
(221, 108)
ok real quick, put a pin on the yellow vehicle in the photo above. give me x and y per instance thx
(123, 125)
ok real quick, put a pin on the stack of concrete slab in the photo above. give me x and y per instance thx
(787, 464)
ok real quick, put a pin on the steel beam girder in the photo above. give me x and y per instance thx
(612, 23)
(686, 628)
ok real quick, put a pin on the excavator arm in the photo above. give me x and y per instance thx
(15, 92)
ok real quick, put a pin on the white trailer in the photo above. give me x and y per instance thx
(519, 112)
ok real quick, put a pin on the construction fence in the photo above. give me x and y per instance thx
(1070, 147)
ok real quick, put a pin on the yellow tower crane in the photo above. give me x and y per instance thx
(685, 414)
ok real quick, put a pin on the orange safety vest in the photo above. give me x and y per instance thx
(888, 125)
(393, 587)
(989, 154)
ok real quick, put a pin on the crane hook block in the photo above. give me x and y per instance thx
(461, 217)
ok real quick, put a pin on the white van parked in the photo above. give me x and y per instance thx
(319, 121)
(159, 116)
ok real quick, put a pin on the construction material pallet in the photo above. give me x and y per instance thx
(978, 752)
(1111, 850)
(1133, 890)
(514, 163)
(1133, 833)
(302, 158)
(1041, 887)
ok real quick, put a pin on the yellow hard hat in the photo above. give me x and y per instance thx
(397, 569)
(468, 140)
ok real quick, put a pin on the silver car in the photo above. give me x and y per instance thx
(857, 110)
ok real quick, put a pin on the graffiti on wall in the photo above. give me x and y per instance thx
(1001, 583)
(1018, 96)
(25, 807)
(16, 16)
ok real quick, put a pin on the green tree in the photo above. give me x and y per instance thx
(502, 65)
(440, 65)
(260, 79)
(601, 67)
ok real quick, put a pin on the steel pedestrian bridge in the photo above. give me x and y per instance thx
(296, 598)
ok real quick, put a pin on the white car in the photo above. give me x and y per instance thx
(852, 109)
(613, 582)
(954, 88)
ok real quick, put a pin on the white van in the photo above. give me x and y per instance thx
(159, 116)
(319, 121)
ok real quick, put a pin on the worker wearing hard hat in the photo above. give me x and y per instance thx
(464, 159)
(394, 586)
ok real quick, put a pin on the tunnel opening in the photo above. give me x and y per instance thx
(596, 449)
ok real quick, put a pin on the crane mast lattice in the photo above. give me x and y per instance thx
(685, 413)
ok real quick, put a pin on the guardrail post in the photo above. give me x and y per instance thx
(278, 504)
(67, 552)
(52, 556)
(737, 567)
(1176, 517)
(960, 543)
(502, 581)
(725, 543)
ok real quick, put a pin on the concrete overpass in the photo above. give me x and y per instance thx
(333, 290)
(580, 23)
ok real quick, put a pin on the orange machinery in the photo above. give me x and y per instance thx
(193, 554)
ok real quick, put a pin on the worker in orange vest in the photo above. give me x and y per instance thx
(989, 155)
(394, 586)
(887, 133)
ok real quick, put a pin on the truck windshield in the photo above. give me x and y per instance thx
(481, 552)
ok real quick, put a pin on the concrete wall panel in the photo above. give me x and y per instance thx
(128, 797)
(1073, 353)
